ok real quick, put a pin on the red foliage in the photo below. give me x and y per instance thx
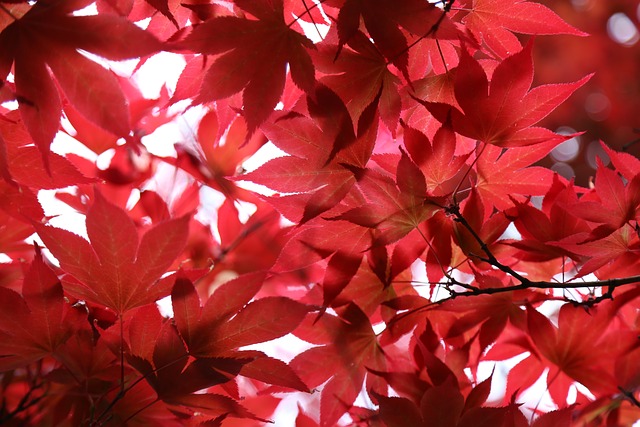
(407, 242)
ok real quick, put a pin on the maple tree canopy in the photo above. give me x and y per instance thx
(408, 258)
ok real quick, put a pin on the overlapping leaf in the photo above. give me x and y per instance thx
(34, 324)
(115, 268)
(503, 111)
(494, 22)
(383, 21)
(350, 347)
(226, 323)
(48, 37)
(255, 55)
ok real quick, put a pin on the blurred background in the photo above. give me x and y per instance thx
(607, 108)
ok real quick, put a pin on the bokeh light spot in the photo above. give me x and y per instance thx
(597, 106)
(569, 149)
(622, 30)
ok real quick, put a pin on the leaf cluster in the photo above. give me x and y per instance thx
(405, 235)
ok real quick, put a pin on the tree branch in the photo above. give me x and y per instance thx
(610, 284)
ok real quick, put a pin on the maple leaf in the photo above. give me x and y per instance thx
(489, 312)
(442, 406)
(49, 35)
(20, 202)
(503, 111)
(226, 322)
(255, 54)
(488, 227)
(561, 417)
(443, 170)
(34, 324)
(157, 351)
(216, 163)
(494, 22)
(542, 229)
(569, 349)
(144, 115)
(358, 75)
(615, 204)
(323, 155)
(114, 268)
(349, 348)
(393, 208)
(626, 164)
(24, 161)
(503, 177)
(382, 21)
(609, 257)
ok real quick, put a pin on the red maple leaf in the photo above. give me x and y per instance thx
(609, 257)
(567, 350)
(323, 155)
(226, 322)
(115, 268)
(48, 37)
(34, 324)
(24, 161)
(443, 170)
(348, 346)
(358, 75)
(542, 229)
(157, 351)
(494, 22)
(612, 204)
(383, 20)
(216, 163)
(503, 111)
(504, 176)
(255, 54)
(393, 208)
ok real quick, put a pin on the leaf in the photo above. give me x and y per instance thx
(20, 202)
(263, 320)
(358, 75)
(174, 376)
(352, 348)
(255, 55)
(216, 405)
(114, 268)
(502, 112)
(542, 229)
(615, 251)
(442, 169)
(399, 412)
(395, 209)
(144, 331)
(186, 307)
(320, 181)
(38, 322)
(342, 267)
(382, 20)
(569, 346)
(618, 203)
(503, 177)
(273, 371)
(493, 21)
(333, 117)
(217, 333)
(304, 420)
(50, 35)
(442, 405)
(555, 418)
